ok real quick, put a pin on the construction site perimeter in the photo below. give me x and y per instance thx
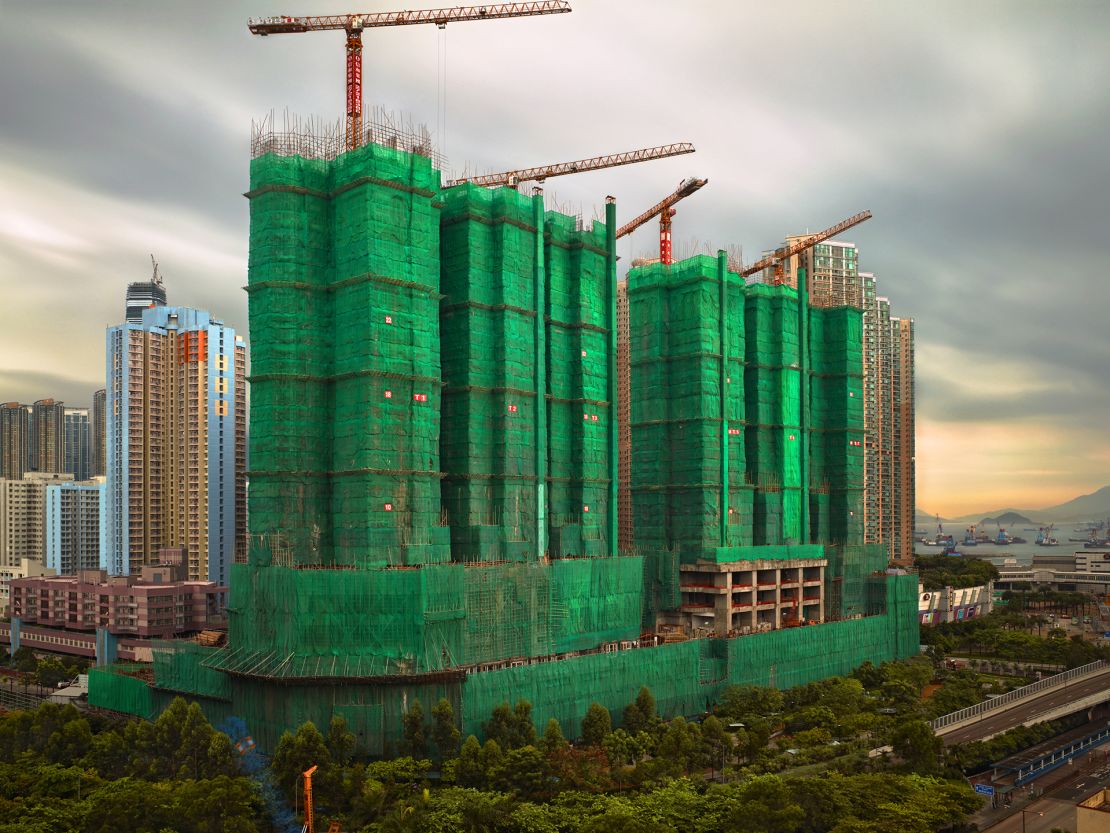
(434, 453)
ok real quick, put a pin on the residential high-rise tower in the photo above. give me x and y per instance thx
(175, 431)
(48, 436)
(143, 295)
(73, 528)
(96, 435)
(22, 513)
(15, 429)
(76, 446)
(903, 439)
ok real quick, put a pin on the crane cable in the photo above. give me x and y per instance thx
(441, 92)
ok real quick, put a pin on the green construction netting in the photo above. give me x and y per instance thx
(344, 318)
(676, 454)
(581, 455)
(179, 668)
(678, 438)
(112, 688)
(488, 317)
(289, 623)
(684, 677)
(395, 443)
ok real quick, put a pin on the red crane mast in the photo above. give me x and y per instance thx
(354, 24)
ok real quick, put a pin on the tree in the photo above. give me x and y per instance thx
(553, 741)
(218, 805)
(499, 727)
(869, 675)
(512, 728)
(639, 714)
(740, 701)
(461, 810)
(812, 717)
(407, 772)
(523, 771)
(491, 758)
(524, 730)
(822, 801)
(69, 744)
(678, 747)
(444, 731)
(716, 743)
(596, 725)
(915, 742)
(412, 722)
(623, 821)
(295, 753)
(763, 804)
(109, 755)
(341, 740)
(623, 748)
(24, 660)
(469, 770)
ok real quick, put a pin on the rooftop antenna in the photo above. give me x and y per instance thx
(157, 279)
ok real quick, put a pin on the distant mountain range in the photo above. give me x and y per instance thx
(1083, 508)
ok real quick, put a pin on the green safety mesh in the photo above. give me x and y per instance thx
(683, 677)
(488, 441)
(178, 667)
(675, 356)
(289, 623)
(395, 444)
(686, 677)
(579, 444)
(114, 688)
(345, 384)
(677, 430)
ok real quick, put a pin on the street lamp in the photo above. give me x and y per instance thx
(1023, 812)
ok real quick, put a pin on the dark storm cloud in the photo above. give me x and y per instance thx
(975, 132)
(26, 387)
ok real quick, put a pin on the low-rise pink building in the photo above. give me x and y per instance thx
(157, 603)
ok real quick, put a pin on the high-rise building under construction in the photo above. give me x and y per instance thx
(434, 471)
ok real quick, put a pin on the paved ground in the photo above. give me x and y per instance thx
(992, 723)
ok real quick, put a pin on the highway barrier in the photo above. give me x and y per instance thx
(1004, 701)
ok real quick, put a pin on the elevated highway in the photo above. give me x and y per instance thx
(1053, 697)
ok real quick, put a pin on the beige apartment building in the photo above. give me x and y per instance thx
(175, 443)
(22, 517)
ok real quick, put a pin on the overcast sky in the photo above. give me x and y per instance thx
(977, 133)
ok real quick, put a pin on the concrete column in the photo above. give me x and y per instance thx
(778, 597)
(821, 593)
(722, 606)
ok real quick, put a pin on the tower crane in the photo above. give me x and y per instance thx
(784, 253)
(665, 211)
(354, 24)
(596, 163)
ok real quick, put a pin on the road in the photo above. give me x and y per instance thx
(1057, 807)
(992, 723)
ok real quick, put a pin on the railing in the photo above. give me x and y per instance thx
(11, 698)
(998, 703)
